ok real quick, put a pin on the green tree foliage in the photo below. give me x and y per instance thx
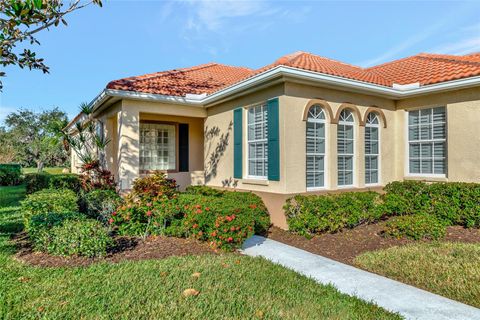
(35, 137)
(21, 20)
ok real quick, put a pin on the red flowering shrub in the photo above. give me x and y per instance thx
(224, 221)
(145, 208)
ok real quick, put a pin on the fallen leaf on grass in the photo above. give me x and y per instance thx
(163, 274)
(23, 279)
(190, 292)
(196, 274)
(259, 314)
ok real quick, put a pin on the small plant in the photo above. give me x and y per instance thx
(99, 204)
(144, 208)
(153, 187)
(416, 227)
(10, 174)
(79, 237)
(49, 200)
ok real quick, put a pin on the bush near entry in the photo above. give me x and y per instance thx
(222, 218)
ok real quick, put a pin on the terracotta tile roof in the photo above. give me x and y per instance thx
(208, 78)
(205, 78)
(428, 68)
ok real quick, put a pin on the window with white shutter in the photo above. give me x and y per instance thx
(427, 141)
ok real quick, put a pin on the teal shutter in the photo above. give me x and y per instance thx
(237, 143)
(273, 140)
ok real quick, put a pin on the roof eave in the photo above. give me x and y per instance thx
(279, 72)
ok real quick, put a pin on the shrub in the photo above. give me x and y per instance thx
(456, 203)
(49, 200)
(69, 181)
(79, 237)
(417, 227)
(204, 191)
(100, 204)
(43, 180)
(308, 215)
(153, 187)
(224, 221)
(38, 228)
(37, 181)
(10, 174)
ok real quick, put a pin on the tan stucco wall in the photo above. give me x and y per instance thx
(463, 130)
(121, 123)
(211, 138)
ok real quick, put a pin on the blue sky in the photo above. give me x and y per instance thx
(126, 38)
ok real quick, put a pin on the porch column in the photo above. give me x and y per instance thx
(128, 123)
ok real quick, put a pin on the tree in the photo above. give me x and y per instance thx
(21, 20)
(36, 137)
(88, 142)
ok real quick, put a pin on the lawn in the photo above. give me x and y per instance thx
(52, 170)
(449, 269)
(230, 287)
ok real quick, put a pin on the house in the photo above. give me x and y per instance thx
(303, 124)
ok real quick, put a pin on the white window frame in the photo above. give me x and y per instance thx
(354, 166)
(407, 146)
(264, 121)
(173, 156)
(325, 164)
(378, 154)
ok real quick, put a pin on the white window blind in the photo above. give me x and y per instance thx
(157, 147)
(372, 146)
(315, 147)
(427, 141)
(257, 142)
(345, 148)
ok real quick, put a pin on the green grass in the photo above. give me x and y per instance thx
(230, 286)
(449, 269)
(52, 170)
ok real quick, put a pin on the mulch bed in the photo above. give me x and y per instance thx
(126, 249)
(346, 245)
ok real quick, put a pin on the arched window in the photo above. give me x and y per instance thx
(345, 148)
(372, 148)
(315, 147)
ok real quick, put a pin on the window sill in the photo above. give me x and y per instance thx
(433, 178)
(313, 189)
(258, 182)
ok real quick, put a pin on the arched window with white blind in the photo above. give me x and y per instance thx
(315, 147)
(372, 148)
(345, 148)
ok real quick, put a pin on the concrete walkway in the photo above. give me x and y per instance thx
(408, 301)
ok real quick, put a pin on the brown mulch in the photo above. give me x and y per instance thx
(125, 249)
(346, 245)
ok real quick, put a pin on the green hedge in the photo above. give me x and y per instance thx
(43, 180)
(416, 227)
(68, 234)
(452, 203)
(10, 174)
(49, 200)
(308, 215)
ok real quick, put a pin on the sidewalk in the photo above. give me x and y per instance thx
(408, 301)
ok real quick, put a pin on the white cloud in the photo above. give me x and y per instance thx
(468, 43)
(403, 46)
(465, 43)
(213, 15)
